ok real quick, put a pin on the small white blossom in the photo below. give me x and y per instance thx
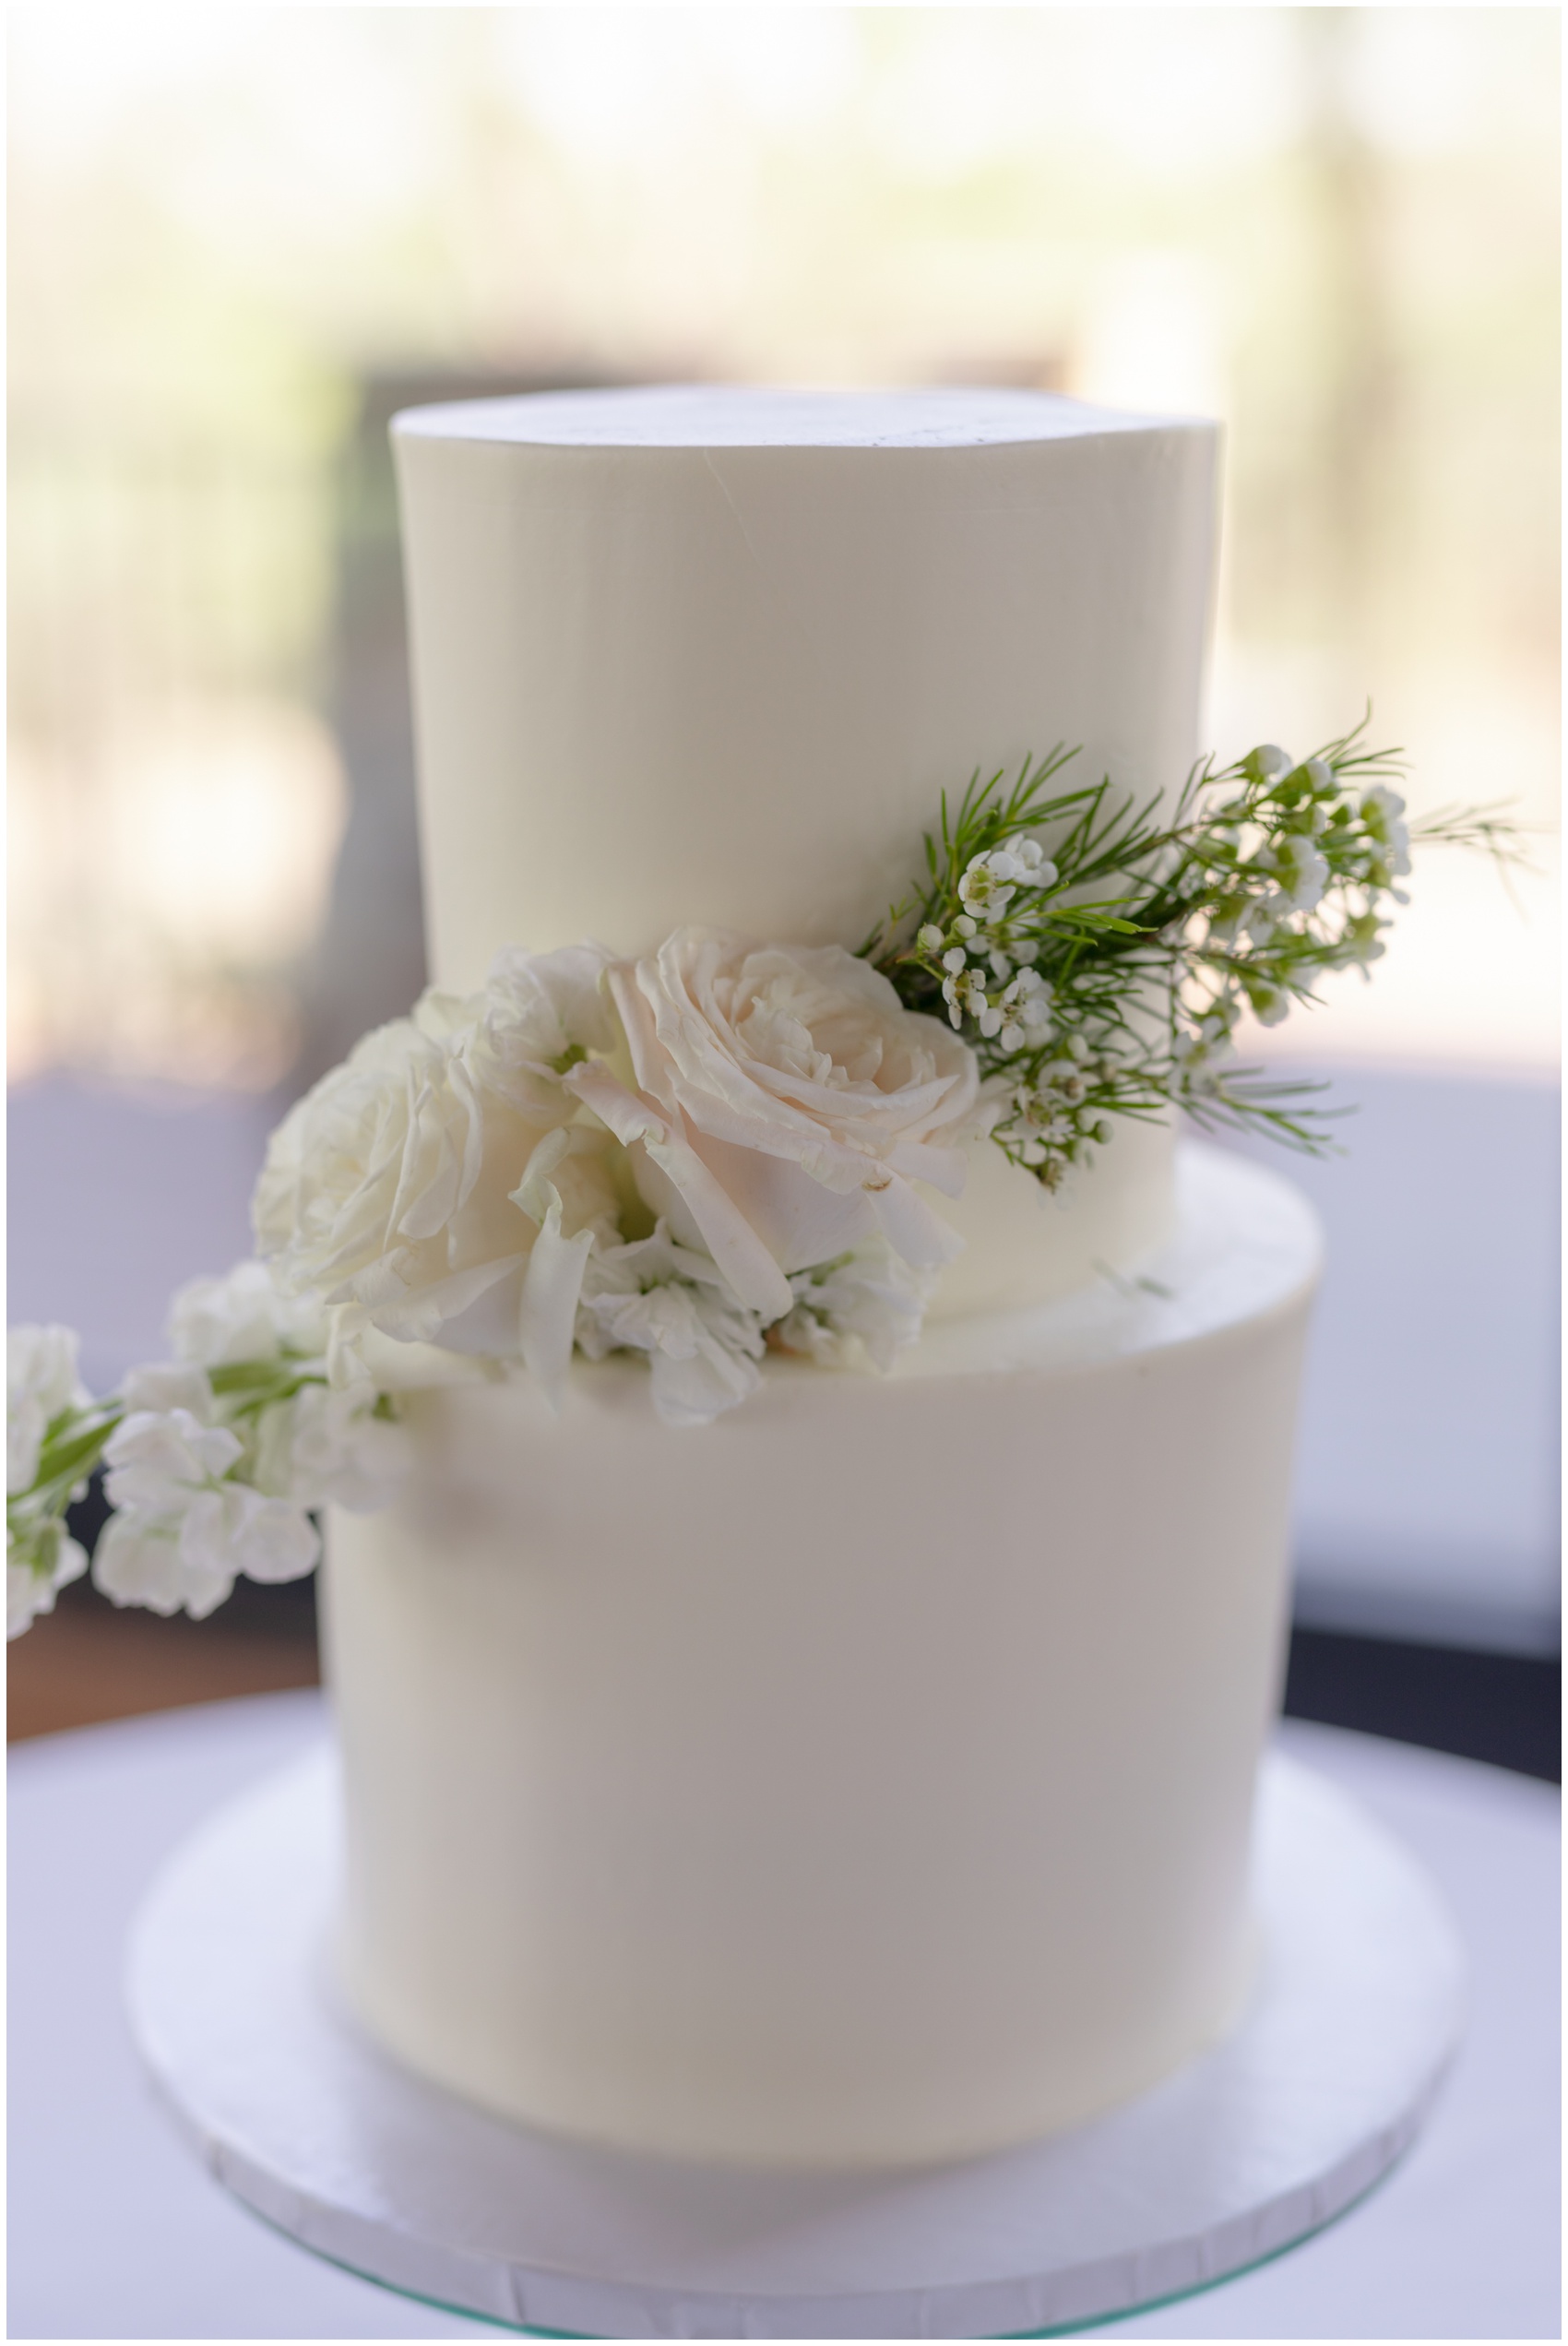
(157, 1460)
(1381, 814)
(988, 885)
(672, 1302)
(40, 1382)
(189, 1554)
(1267, 762)
(1301, 871)
(327, 1447)
(864, 1309)
(40, 1559)
(175, 1385)
(929, 938)
(1270, 1003)
(243, 1316)
(1361, 941)
(1201, 1054)
(140, 1561)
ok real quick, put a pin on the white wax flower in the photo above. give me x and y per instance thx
(671, 1302)
(864, 1309)
(1382, 810)
(40, 1381)
(1301, 870)
(391, 1186)
(783, 1103)
(324, 1446)
(244, 1315)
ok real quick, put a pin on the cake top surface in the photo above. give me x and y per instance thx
(681, 415)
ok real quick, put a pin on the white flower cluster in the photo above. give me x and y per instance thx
(986, 962)
(478, 1177)
(476, 1180)
(1263, 931)
(44, 1392)
(221, 1456)
(215, 1460)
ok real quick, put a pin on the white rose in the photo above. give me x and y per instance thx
(539, 1014)
(783, 1103)
(393, 1186)
(40, 1381)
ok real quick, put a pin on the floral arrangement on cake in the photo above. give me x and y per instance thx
(707, 1155)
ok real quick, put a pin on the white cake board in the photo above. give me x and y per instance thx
(1246, 2150)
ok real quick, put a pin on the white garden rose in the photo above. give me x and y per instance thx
(782, 1105)
(399, 1186)
(40, 1381)
(539, 1015)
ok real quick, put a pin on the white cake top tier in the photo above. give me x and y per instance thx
(713, 655)
(705, 415)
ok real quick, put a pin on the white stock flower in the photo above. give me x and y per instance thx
(158, 1459)
(42, 1558)
(671, 1302)
(392, 1186)
(866, 1307)
(184, 1530)
(244, 1315)
(176, 1385)
(40, 1382)
(782, 1105)
(327, 1447)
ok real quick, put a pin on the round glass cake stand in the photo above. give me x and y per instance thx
(1247, 2150)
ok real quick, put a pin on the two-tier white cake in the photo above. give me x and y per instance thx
(866, 1776)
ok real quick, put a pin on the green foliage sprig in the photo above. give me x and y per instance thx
(1098, 953)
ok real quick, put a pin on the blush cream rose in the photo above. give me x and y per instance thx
(782, 1105)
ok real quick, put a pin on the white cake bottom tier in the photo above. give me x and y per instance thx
(866, 1778)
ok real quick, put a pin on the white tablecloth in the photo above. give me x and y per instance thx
(115, 2232)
